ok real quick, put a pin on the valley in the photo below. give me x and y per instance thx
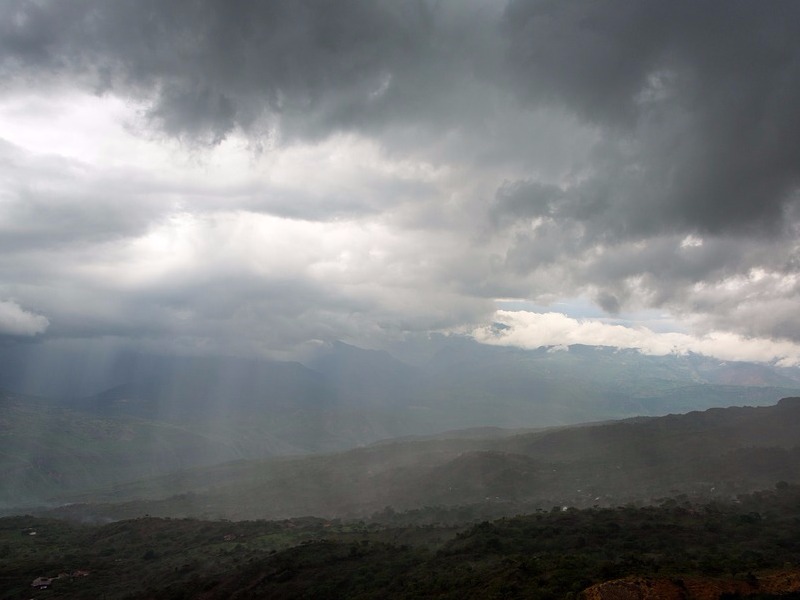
(159, 416)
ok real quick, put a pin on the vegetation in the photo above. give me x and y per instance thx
(547, 554)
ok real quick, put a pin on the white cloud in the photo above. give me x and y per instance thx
(14, 320)
(526, 329)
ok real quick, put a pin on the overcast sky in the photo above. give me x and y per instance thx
(248, 176)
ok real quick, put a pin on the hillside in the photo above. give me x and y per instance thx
(151, 415)
(679, 549)
(716, 453)
(47, 450)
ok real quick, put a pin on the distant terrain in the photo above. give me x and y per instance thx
(718, 453)
(79, 423)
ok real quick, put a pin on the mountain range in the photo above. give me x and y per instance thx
(148, 415)
(717, 453)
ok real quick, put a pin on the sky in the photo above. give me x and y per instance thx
(256, 177)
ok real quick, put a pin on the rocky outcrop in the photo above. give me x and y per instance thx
(693, 588)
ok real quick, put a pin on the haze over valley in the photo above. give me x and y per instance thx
(152, 415)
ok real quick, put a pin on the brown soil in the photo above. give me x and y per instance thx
(693, 588)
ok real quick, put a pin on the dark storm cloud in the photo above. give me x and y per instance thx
(692, 191)
(306, 67)
(697, 99)
(650, 150)
(213, 305)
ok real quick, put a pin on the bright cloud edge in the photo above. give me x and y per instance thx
(530, 330)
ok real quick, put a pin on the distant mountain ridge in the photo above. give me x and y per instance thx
(207, 410)
(718, 453)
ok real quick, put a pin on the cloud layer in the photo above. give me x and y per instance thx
(14, 321)
(257, 175)
(533, 330)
